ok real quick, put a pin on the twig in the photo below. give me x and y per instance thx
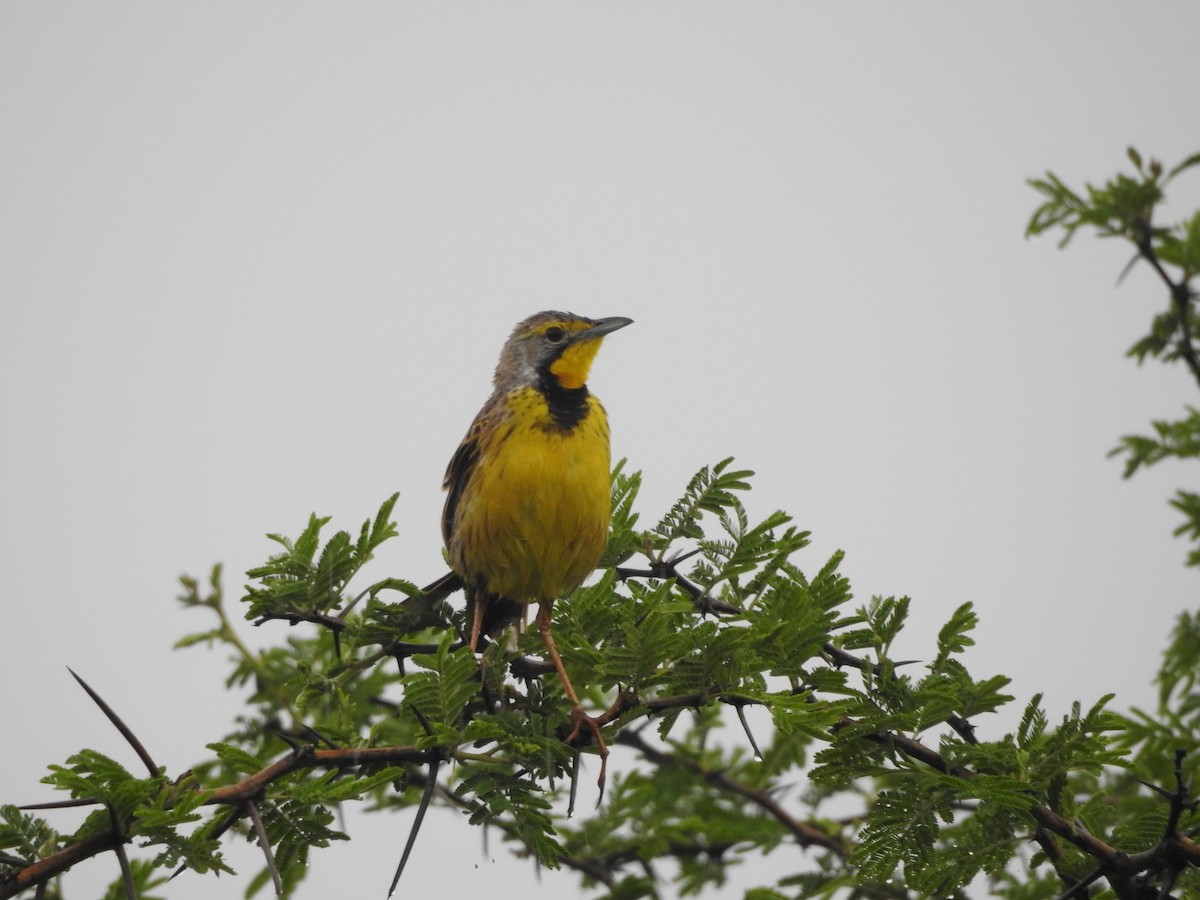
(1079, 889)
(911, 748)
(333, 623)
(1181, 297)
(122, 858)
(805, 835)
(49, 867)
(667, 571)
(235, 795)
(126, 872)
(1179, 799)
(840, 657)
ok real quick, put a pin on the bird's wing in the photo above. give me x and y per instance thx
(462, 463)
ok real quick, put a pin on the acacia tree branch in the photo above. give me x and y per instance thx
(50, 867)
(1172, 853)
(1120, 868)
(239, 794)
(840, 657)
(1181, 297)
(806, 835)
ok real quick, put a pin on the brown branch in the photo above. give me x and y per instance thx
(244, 791)
(910, 747)
(123, 860)
(840, 657)
(251, 787)
(333, 623)
(806, 835)
(49, 867)
(1077, 888)
(1173, 851)
(666, 570)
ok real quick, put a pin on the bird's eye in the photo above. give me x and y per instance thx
(555, 335)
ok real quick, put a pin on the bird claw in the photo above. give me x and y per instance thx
(575, 738)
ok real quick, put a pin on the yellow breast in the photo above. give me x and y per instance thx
(533, 517)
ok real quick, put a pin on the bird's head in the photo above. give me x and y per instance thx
(554, 348)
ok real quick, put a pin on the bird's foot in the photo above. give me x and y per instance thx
(580, 721)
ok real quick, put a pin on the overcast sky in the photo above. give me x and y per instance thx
(257, 260)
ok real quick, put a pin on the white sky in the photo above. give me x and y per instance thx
(257, 260)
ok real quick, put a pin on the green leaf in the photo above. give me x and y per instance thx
(236, 759)
(381, 529)
(953, 638)
(1193, 160)
(440, 695)
(710, 490)
(25, 835)
(902, 829)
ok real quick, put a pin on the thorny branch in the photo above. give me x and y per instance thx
(1181, 298)
(1173, 853)
(806, 835)
(240, 795)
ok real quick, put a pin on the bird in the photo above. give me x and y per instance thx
(528, 503)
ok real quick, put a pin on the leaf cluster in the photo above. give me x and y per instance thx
(752, 697)
(1125, 207)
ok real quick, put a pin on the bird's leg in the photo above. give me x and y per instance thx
(477, 618)
(578, 716)
(480, 598)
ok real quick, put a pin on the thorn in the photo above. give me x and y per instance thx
(1128, 268)
(574, 785)
(741, 714)
(263, 841)
(1161, 791)
(1079, 888)
(316, 735)
(60, 804)
(426, 797)
(341, 616)
(296, 744)
(119, 725)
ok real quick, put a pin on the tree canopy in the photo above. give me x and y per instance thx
(755, 707)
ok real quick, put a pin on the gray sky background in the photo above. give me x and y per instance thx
(257, 260)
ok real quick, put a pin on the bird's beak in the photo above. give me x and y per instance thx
(602, 327)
